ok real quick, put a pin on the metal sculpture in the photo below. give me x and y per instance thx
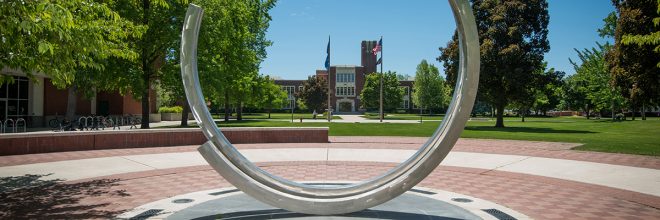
(321, 200)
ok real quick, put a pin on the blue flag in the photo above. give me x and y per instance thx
(327, 59)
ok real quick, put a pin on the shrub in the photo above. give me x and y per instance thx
(173, 109)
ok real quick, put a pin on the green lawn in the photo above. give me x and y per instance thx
(403, 116)
(296, 116)
(631, 137)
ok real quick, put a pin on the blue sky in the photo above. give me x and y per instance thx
(411, 30)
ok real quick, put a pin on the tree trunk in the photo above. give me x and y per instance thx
(71, 104)
(269, 110)
(643, 111)
(523, 115)
(634, 110)
(227, 110)
(587, 110)
(499, 123)
(145, 100)
(239, 111)
(612, 105)
(146, 67)
(184, 114)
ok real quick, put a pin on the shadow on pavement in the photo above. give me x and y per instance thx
(30, 197)
(283, 214)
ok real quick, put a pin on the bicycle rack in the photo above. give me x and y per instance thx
(24, 124)
(116, 123)
(13, 125)
(81, 124)
(100, 122)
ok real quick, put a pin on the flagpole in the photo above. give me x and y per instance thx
(328, 81)
(381, 79)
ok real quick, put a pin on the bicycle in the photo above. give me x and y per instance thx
(55, 122)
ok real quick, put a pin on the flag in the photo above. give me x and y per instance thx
(327, 58)
(380, 60)
(379, 46)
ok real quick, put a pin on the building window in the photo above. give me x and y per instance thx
(405, 91)
(14, 99)
(290, 90)
(345, 77)
(405, 104)
(345, 91)
(300, 88)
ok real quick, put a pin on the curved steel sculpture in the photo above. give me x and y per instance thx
(302, 198)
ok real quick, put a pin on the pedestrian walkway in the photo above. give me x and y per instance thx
(542, 180)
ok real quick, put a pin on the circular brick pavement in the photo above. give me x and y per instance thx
(534, 196)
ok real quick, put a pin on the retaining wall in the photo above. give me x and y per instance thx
(45, 142)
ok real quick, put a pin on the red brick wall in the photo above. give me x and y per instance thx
(16, 144)
(115, 102)
(55, 101)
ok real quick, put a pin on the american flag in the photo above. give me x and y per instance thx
(378, 47)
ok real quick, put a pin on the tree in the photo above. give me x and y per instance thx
(594, 72)
(314, 94)
(429, 89)
(268, 95)
(231, 46)
(574, 94)
(548, 96)
(633, 64)
(543, 92)
(392, 93)
(513, 38)
(162, 20)
(69, 41)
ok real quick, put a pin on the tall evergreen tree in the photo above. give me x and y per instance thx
(513, 36)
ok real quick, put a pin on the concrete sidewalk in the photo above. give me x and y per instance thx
(642, 180)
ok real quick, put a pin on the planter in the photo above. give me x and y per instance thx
(155, 117)
(171, 116)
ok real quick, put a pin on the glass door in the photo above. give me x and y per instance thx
(3, 110)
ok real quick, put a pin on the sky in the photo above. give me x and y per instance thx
(411, 30)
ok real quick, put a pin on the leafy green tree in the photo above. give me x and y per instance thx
(574, 94)
(58, 37)
(162, 20)
(513, 38)
(231, 47)
(593, 70)
(268, 95)
(314, 94)
(548, 96)
(69, 41)
(633, 63)
(429, 90)
(392, 93)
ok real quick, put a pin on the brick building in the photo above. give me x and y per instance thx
(38, 100)
(346, 83)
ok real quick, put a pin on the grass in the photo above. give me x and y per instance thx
(403, 116)
(296, 116)
(630, 137)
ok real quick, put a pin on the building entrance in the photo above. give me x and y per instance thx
(14, 99)
(345, 107)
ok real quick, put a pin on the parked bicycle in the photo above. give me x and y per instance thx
(55, 122)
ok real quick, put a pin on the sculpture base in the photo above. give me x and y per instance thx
(231, 203)
(406, 206)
